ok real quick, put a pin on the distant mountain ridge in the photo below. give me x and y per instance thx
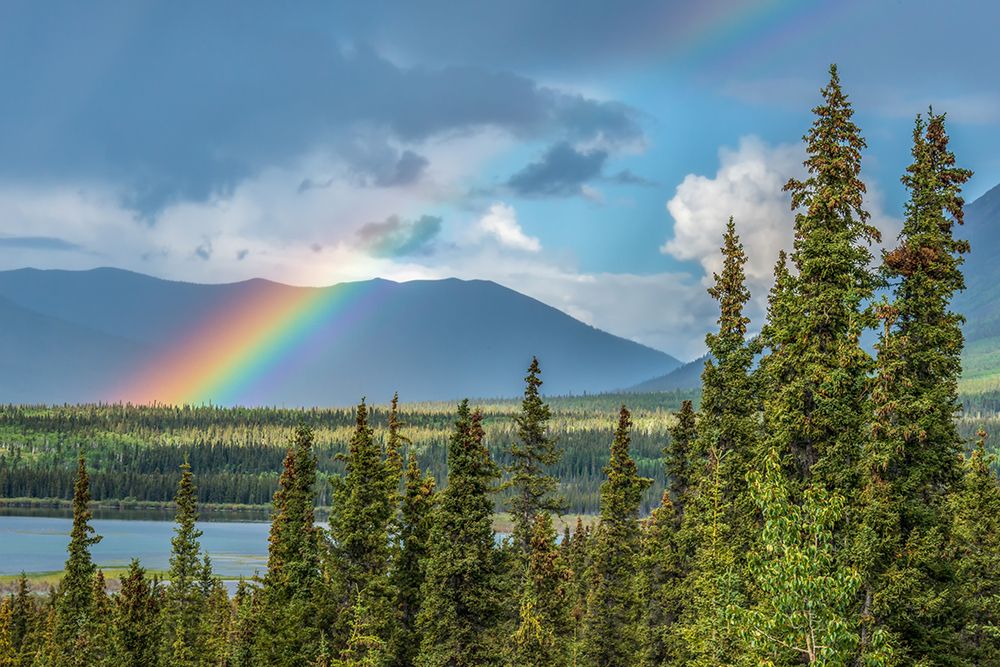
(73, 336)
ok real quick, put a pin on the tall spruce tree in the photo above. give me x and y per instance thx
(74, 608)
(817, 377)
(719, 531)
(976, 536)
(360, 522)
(542, 638)
(679, 457)
(26, 622)
(661, 590)
(611, 635)
(912, 459)
(416, 520)
(534, 452)
(184, 604)
(461, 607)
(291, 615)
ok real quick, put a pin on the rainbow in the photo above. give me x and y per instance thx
(251, 343)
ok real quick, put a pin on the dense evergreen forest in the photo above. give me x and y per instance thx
(821, 506)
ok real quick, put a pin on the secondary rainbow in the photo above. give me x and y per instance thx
(250, 343)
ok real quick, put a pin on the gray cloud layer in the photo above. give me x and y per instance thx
(106, 93)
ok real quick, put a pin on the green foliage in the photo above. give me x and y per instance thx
(364, 509)
(806, 596)
(290, 614)
(543, 631)
(461, 607)
(534, 452)
(135, 620)
(415, 522)
(184, 599)
(976, 536)
(611, 626)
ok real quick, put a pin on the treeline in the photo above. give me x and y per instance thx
(133, 452)
(820, 508)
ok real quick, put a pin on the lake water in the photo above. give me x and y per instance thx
(35, 541)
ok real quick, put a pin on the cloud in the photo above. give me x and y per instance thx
(241, 254)
(394, 237)
(165, 125)
(500, 222)
(560, 172)
(37, 243)
(628, 177)
(748, 187)
(204, 250)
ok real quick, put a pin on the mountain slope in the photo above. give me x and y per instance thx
(980, 302)
(687, 376)
(430, 340)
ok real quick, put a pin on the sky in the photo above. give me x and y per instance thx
(585, 153)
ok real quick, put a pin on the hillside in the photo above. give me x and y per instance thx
(108, 334)
(980, 303)
(686, 376)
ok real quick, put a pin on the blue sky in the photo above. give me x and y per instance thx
(585, 153)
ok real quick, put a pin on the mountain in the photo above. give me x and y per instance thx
(108, 334)
(686, 376)
(980, 302)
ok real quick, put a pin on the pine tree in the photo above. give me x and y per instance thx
(290, 618)
(679, 457)
(976, 536)
(74, 607)
(135, 620)
(543, 632)
(535, 451)
(719, 531)
(576, 554)
(611, 626)
(184, 604)
(661, 590)
(818, 372)
(912, 458)
(26, 623)
(8, 652)
(815, 377)
(461, 606)
(416, 519)
(364, 647)
(360, 520)
(243, 630)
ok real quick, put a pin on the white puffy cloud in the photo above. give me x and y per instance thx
(500, 222)
(748, 187)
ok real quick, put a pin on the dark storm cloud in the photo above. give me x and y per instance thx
(37, 243)
(183, 100)
(395, 237)
(560, 172)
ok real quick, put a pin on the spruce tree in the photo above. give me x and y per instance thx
(534, 452)
(611, 634)
(679, 457)
(135, 621)
(74, 607)
(184, 603)
(360, 521)
(661, 589)
(912, 460)
(542, 638)
(719, 531)
(461, 607)
(817, 375)
(290, 614)
(976, 536)
(416, 519)
(26, 622)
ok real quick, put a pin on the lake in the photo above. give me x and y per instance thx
(35, 540)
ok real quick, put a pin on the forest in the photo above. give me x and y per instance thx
(821, 505)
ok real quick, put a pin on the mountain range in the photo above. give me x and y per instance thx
(114, 335)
